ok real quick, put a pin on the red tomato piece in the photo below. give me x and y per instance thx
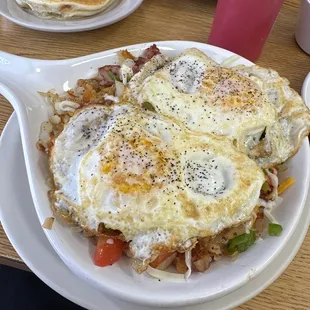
(108, 251)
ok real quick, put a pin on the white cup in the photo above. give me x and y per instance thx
(303, 26)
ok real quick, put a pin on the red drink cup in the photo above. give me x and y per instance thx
(242, 26)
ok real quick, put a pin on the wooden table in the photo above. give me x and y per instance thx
(174, 20)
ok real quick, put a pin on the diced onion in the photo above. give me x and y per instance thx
(269, 206)
(188, 262)
(274, 182)
(282, 167)
(76, 229)
(119, 89)
(270, 217)
(55, 119)
(165, 275)
(278, 201)
(126, 71)
(45, 132)
(167, 262)
(229, 61)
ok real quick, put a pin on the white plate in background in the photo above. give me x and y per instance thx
(305, 92)
(20, 222)
(116, 12)
(120, 280)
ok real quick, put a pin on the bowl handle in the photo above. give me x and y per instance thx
(12, 67)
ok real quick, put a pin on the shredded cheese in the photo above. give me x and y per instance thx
(285, 185)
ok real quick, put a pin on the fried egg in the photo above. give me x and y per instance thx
(252, 106)
(64, 9)
(283, 138)
(140, 173)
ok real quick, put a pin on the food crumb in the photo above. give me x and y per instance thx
(48, 223)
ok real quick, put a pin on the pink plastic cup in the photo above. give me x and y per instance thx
(242, 26)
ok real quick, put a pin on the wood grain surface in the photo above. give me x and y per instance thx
(174, 20)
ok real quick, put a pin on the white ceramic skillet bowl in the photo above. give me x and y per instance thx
(21, 78)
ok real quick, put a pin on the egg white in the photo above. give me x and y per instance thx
(284, 136)
(140, 173)
(245, 104)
